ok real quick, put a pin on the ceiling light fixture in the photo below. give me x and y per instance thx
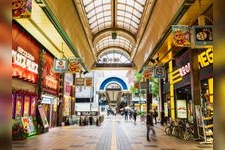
(114, 35)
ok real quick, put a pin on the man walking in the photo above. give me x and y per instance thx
(150, 125)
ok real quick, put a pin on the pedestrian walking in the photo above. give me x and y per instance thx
(135, 115)
(126, 114)
(151, 135)
(91, 119)
(155, 115)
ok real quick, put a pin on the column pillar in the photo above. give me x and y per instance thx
(195, 84)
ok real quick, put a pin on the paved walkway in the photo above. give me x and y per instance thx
(114, 134)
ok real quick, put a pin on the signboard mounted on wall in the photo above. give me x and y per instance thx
(60, 65)
(159, 72)
(202, 36)
(181, 35)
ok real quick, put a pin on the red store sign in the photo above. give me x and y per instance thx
(25, 55)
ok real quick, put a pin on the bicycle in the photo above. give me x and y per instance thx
(189, 132)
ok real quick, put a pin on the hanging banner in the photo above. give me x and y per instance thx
(88, 81)
(202, 36)
(181, 35)
(79, 81)
(159, 72)
(21, 9)
(60, 65)
(73, 66)
(181, 109)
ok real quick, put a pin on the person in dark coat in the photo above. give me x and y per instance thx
(91, 119)
(150, 127)
(135, 115)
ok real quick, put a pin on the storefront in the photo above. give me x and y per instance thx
(25, 57)
(50, 90)
(182, 84)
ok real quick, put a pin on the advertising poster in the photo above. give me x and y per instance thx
(88, 81)
(28, 124)
(21, 9)
(198, 111)
(19, 104)
(68, 88)
(60, 65)
(73, 66)
(181, 35)
(43, 116)
(166, 109)
(67, 106)
(33, 106)
(26, 106)
(181, 109)
(202, 36)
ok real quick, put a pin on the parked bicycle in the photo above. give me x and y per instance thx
(189, 132)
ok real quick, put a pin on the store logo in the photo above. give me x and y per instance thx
(185, 69)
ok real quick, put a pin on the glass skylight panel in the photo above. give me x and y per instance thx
(92, 20)
(107, 13)
(138, 7)
(113, 56)
(107, 19)
(107, 7)
(86, 2)
(142, 2)
(108, 41)
(137, 13)
(98, 3)
(130, 15)
(89, 7)
(99, 9)
(96, 11)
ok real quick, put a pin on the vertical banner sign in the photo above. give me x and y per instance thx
(26, 106)
(73, 66)
(60, 65)
(181, 109)
(88, 81)
(202, 36)
(21, 9)
(181, 35)
(159, 72)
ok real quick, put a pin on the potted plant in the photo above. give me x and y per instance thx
(18, 132)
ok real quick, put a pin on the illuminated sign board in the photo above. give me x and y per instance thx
(204, 60)
(24, 60)
(185, 69)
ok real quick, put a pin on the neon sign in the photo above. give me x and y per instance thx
(24, 60)
(51, 82)
(185, 69)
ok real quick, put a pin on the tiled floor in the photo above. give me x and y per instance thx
(114, 134)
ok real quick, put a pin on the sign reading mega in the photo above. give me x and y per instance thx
(205, 58)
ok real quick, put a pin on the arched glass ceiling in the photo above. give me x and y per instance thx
(98, 14)
(119, 41)
(129, 14)
(113, 57)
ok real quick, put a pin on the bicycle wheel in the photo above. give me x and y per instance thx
(168, 130)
